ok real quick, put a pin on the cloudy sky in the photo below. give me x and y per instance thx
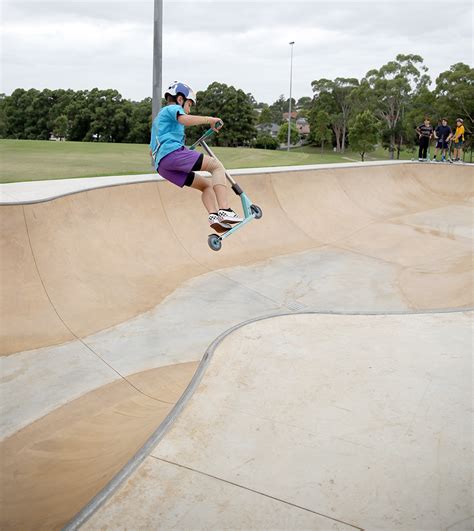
(109, 43)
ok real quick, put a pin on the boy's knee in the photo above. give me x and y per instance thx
(217, 171)
(214, 166)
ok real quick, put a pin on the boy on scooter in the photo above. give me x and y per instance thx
(177, 164)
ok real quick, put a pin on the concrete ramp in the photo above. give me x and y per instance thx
(314, 421)
(111, 297)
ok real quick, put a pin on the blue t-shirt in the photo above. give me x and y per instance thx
(167, 134)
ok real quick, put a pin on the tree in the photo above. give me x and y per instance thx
(304, 104)
(111, 116)
(363, 133)
(265, 116)
(58, 102)
(140, 122)
(390, 89)
(60, 126)
(265, 141)
(325, 102)
(26, 115)
(14, 108)
(233, 106)
(277, 109)
(283, 134)
(455, 91)
(336, 97)
(320, 123)
(422, 104)
(78, 116)
(3, 123)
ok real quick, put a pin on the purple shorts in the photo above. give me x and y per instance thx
(179, 166)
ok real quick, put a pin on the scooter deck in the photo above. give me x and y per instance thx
(219, 228)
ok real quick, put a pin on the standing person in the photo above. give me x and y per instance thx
(177, 164)
(443, 135)
(458, 139)
(425, 132)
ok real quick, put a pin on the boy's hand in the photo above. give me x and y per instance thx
(215, 123)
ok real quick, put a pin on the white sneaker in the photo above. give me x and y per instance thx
(229, 216)
(216, 224)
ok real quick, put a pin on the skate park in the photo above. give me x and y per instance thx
(315, 373)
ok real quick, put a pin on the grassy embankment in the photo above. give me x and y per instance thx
(32, 160)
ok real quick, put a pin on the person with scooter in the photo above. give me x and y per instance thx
(178, 164)
(458, 140)
(425, 132)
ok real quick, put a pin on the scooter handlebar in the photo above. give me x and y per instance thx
(211, 131)
(208, 133)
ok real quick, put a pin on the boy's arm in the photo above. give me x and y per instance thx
(191, 119)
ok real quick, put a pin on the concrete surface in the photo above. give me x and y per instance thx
(360, 419)
(110, 297)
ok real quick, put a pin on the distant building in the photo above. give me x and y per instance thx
(294, 114)
(56, 138)
(269, 129)
(302, 126)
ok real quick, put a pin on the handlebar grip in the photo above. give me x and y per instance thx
(209, 132)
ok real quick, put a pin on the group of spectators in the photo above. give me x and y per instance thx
(444, 136)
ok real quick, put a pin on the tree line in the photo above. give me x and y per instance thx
(384, 106)
(388, 103)
(84, 116)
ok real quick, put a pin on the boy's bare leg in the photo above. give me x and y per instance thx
(208, 196)
(219, 184)
(221, 195)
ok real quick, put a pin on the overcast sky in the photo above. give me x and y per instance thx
(109, 44)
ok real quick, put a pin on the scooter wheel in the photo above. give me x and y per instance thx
(257, 211)
(214, 242)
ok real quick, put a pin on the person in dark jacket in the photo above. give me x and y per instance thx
(443, 134)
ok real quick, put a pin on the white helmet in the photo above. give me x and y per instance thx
(177, 87)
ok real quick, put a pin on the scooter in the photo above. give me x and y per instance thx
(250, 210)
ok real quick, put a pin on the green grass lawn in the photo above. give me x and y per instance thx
(32, 160)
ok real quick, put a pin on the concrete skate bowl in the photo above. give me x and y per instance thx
(110, 298)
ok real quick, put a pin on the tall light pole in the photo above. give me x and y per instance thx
(291, 83)
(157, 57)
